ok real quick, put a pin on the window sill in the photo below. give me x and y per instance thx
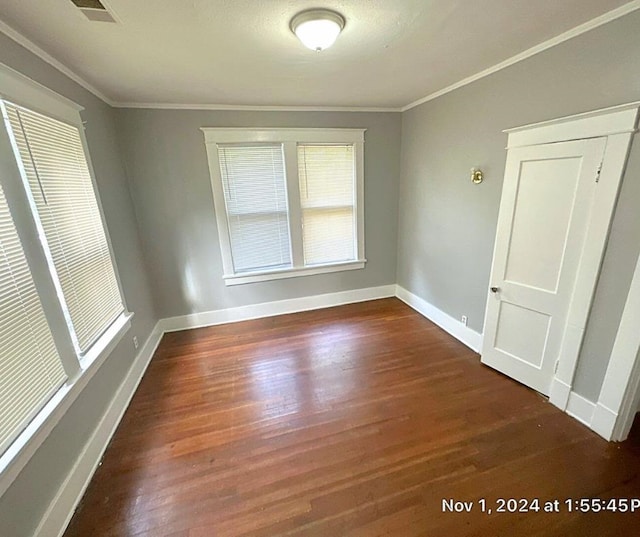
(239, 279)
(17, 455)
(106, 342)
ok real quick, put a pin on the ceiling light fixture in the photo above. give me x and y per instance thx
(317, 28)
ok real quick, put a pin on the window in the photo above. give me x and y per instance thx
(288, 202)
(61, 308)
(30, 369)
(255, 194)
(327, 198)
(57, 177)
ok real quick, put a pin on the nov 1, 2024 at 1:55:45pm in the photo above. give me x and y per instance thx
(536, 505)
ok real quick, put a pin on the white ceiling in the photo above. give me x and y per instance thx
(241, 52)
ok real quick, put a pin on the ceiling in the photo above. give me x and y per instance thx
(242, 52)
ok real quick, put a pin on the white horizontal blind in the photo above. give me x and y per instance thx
(30, 368)
(327, 197)
(255, 193)
(58, 176)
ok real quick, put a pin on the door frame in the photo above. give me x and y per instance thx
(618, 124)
(618, 401)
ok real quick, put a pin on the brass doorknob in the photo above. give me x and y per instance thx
(495, 289)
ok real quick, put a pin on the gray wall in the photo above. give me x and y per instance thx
(24, 503)
(166, 162)
(444, 226)
(447, 225)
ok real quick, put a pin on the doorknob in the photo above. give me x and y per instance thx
(494, 289)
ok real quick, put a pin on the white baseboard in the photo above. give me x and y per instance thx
(280, 307)
(580, 408)
(596, 416)
(604, 422)
(466, 335)
(61, 509)
(559, 394)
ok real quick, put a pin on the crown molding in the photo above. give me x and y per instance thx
(541, 47)
(257, 108)
(48, 58)
(570, 34)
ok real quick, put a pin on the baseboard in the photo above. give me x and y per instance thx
(464, 334)
(559, 394)
(604, 422)
(580, 408)
(269, 309)
(61, 509)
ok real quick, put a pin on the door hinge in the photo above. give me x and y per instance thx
(555, 368)
(598, 173)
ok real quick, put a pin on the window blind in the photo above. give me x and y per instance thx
(255, 193)
(57, 173)
(327, 193)
(30, 368)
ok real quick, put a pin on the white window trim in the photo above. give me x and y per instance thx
(17, 455)
(253, 277)
(16, 87)
(21, 90)
(289, 137)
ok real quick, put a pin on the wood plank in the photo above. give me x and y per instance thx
(350, 421)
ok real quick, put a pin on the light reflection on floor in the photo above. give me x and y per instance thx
(286, 383)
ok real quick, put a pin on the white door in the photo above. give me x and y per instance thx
(544, 214)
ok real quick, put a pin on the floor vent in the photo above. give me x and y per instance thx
(94, 10)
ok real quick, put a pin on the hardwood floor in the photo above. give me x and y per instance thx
(350, 421)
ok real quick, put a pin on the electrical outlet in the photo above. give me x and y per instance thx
(135, 341)
(464, 320)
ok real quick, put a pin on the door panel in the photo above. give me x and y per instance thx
(511, 340)
(544, 213)
(540, 185)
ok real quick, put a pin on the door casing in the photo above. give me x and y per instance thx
(617, 124)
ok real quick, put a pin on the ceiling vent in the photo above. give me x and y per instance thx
(94, 10)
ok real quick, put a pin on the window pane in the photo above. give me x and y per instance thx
(253, 179)
(327, 193)
(30, 368)
(58, 177)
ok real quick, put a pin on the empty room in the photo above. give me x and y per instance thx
(319, 268)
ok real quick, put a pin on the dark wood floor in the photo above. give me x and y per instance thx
(350, 421)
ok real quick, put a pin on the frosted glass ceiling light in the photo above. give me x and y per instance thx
(317, 28)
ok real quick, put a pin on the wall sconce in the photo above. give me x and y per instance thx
(476, 176)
